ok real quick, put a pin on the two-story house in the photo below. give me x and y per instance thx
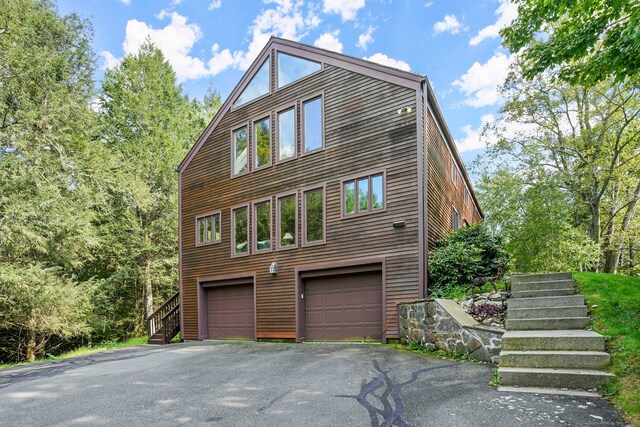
(309, 203)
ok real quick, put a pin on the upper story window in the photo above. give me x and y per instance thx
(466, 196)
(312, 124)
(363, 194)
(313, 216)
(262, 224)
(257, 87)
(262, 144)
(454, 173)
(240, 151)
(292, 68)
(240, 227)
(287, 134)
(208, 229)
(287, 229)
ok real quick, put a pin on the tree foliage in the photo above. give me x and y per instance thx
(589, 41)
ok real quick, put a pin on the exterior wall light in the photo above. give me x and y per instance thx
(398, 224)
(405, 110)
(273, 268)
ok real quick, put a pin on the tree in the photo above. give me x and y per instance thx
(586, 136)
(590, 41)
(149, 124)
(46, 167)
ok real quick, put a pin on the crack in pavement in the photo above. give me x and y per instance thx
(390, 416)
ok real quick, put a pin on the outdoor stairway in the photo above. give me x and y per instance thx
(546, 345)
(164, 324)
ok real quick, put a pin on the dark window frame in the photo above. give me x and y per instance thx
(277, 207)
(217, 213)
(354, 179)
(277, 62)
(254, 151)
(284, 108)
(233, 230)
(455, 226)
(237, 107)
(454, 172)
(303, 101)
(254, 225)
(466, 195)
(247, 126)
(303, 191)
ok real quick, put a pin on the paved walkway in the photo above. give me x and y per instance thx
(268, 384)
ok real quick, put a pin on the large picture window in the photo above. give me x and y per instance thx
(257, 87)
(287, 229)
(363, 195)
(287, 134)
(262, 144)
(240, 240)
(312, 124)
(292, 68)
(208, 229)
(240, 151)
(262, 224)
(313, 216)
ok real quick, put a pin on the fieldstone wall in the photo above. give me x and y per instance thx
(443, 324)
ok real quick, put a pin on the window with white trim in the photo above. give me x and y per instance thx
(208, 229)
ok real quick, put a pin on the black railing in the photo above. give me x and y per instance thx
(166, 319)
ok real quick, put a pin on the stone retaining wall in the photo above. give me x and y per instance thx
(443, 324)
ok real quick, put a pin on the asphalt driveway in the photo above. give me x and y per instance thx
(269, 384)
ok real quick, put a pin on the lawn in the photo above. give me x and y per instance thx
(110, 345)
(614, 303)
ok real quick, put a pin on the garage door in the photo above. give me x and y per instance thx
(344, 307)
(230, 312)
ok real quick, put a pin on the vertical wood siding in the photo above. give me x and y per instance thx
(363, 132)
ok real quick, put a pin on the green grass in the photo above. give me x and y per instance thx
(109, 345)
(614, 302)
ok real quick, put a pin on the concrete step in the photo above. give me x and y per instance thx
(555, 359)
(553, 301)
(582, 379)
(536, 286)
(557, 323)
(543, 293)
(561, 340)
(546, 312)
(540, 277)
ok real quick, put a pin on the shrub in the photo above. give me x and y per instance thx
(464, 255)
(487, 310)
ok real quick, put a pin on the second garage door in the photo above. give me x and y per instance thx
(344, 307)
(230, 312)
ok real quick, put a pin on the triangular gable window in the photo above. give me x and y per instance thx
(292, 68)
(258, 86)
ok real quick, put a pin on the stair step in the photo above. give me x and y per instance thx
(546, 312)
(553, 301)
(547, 323)
(563, 340)
(554, 359)
(543, 293)
(159, 341)
(536, 286)
(540, 277)
(545, 377)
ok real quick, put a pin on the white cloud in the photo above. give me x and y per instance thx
(480, 83)
(428, 4)
(449, 24)
(473, 138)
(506, 13)
(365, 39)
(215, 4)
(347, 9)
(125, 2)
(383, 59)
(110, 61)
(329, 41)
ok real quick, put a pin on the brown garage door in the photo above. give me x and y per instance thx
(230, 312)
(344, 307)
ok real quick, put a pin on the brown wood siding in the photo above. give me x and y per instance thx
(363, 132)
(442, 194)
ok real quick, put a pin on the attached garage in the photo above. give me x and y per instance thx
(344, 305)
(230, 310)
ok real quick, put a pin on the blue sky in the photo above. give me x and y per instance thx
(455, 43)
